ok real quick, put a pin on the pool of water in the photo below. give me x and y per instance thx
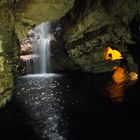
(70, 107)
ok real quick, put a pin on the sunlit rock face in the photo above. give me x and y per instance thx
(33, 12)
(26, 47)
(93, 25)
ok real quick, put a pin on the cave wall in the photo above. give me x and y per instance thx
(88, 27)
(31, 13)
(92, 15)
(8, 51)
(92, 25)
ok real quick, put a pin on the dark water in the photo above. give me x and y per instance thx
(70, 107)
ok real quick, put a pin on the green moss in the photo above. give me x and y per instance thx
(1, 64)
(8, 49)
(6, 97)
(1, 48)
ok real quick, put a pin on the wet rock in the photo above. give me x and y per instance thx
(8, 51)
(6, 82)
(98, 24)
(33, 12)
(87, 16)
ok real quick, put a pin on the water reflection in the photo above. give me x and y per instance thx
(64, 107)
(121, 79)
(42, 105)
(114, 92)
(119, 76)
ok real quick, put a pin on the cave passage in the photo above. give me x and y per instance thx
(72, 105)
(69, 69)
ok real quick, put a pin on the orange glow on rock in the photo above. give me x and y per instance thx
(110, 54)
(119, 75)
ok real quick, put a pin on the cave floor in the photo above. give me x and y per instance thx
(69, 107)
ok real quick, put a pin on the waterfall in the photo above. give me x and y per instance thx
(28, 64)
(41, 48)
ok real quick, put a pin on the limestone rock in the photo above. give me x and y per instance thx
(97, 24)
(93, 15)
(8, 51)
(6, 79)
(33, 12)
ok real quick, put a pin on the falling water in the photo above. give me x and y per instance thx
(28, 64)
(42, 48)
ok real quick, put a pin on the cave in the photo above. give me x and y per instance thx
(69, 69)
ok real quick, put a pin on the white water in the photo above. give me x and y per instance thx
(41, 75)
(42, 48)
(28, 64)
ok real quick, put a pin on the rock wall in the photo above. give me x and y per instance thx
(92, 25)
(8, 51)
(31, 13)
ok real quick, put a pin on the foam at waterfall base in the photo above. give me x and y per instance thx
(44, 75)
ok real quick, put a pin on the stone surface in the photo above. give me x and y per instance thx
(33, 12)
(60, 62)
(97, 24)
(92, 15)
(6, 79)
(8, 51)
